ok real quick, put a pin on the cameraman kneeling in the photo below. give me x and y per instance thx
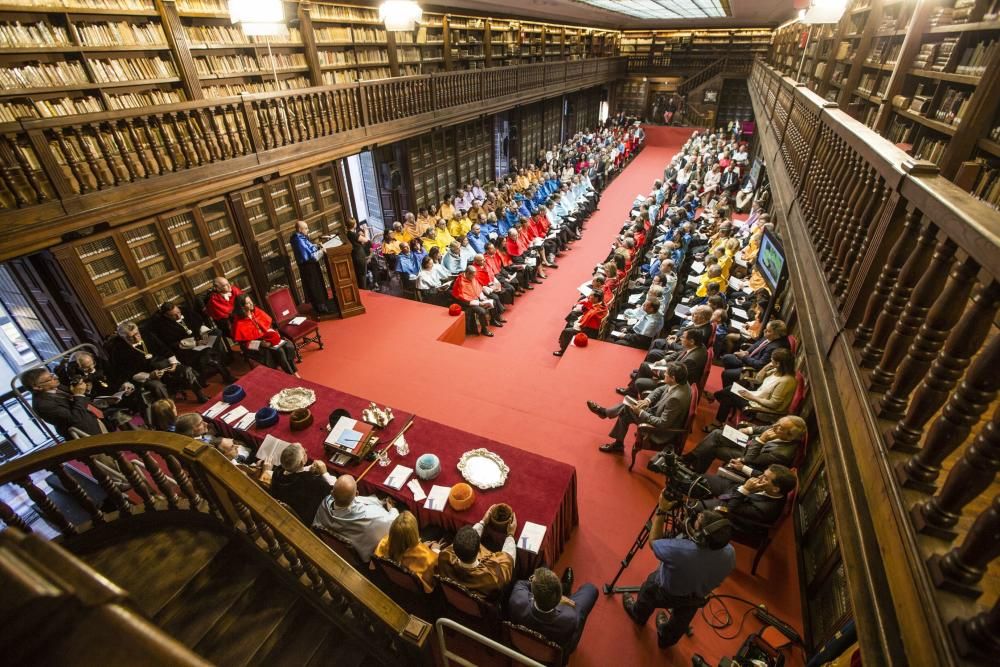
(690, 569)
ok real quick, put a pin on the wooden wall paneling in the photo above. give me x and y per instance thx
(309, 42)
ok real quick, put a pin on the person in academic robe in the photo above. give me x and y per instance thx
(309, 258)
(149, 364)
(220, 302)
(361, 247)
(471, 564)
(63, 408)
(181, 330)
(468, 291)
(252, 329)
(301, 488)
(503, 292)
(592, 312)
(403, 546)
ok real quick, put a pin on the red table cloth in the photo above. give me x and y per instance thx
(539, 489)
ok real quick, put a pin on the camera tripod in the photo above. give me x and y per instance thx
(673, 521)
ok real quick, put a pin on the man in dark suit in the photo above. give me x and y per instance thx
(181, 330)
(542, 604)
(148, 364)
(701, 320)
(59, 407)
(301, 488)
(777, 443)
(757, 503)
(100, 390)
(665, 408)
(757, 355)
(694, 356)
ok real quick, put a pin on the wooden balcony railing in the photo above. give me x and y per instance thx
(183, 477)
(895, 272)
(64, 166)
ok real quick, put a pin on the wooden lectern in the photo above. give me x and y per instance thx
(340, 267)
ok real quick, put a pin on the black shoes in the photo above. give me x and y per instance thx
(622, 390)
(597, 409)
(488, 333)
(557, 353)
(613, 448)
(567, 582)
(628, 602)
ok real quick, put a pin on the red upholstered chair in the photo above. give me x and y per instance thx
(793, 344)
(706, 371)
(468, 607)
(343, 548)
(675, 436)
(282, 305)
(533, 644)
(759, 536)
(408, 588)
(767, 417)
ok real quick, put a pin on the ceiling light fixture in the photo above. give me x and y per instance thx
(399, 15)
(259, 17)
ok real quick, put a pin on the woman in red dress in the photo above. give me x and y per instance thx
(252, 330)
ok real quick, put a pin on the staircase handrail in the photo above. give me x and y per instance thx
(203, 483)
(703, 75)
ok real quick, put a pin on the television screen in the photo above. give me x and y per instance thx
(771, 260)
(755, 173)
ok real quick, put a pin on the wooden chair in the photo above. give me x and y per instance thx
(768, 417)
(674, 436)
(343, 548)
(533, 644)
(408, 587)
(281, 303)
(471, 608)
(759, 536)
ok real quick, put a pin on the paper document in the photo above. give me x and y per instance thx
(629, 401)
(735, 436)
(437, 498)
(739, 261)
(417, 490)
(531, 537)
(344, 434)
(296, 321)
(398, 477)
(334, 242)
(736, 388)
(681, 310)
(585, 289)
(216, 409)
(245, 423)
(740, 314)
(634, 298)
(738, 326)
(270, 450)
(693, 280)
(234, 414)
(736, 283)
(206, 343)
(254, 345)
(618, 334)
(698, 267)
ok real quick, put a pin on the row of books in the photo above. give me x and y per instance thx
(341, 13)
(974, 58)
(960, 12)
(122, 33)
(203, 6)
(132, 69)
(265, 86)
(233, 34)
(282, 60)
(987, 186)
(935, 55)
(133, 5)
(900, 131)
(931, 149)
(240, 63)
(10, 112)
(953, 106)
(42, 75)
(67, 106)
(145, 98)
(350, 76)
(27, 35)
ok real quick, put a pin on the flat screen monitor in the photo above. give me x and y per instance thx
(755, 172)
(771, 260)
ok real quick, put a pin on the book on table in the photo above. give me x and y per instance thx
(350, 437)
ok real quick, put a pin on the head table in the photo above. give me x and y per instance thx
(539, 489)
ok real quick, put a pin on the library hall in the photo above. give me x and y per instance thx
(361, 333)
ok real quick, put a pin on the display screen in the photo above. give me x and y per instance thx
(771, 260)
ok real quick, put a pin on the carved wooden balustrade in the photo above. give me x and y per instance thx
(55, 167)
(180, 478)
(895, 273)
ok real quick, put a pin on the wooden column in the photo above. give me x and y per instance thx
(309, 44)
(961, 569)
(978, 636)
(177, 40)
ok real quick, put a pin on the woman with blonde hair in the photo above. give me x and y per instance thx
(163, 415)
(403, 546)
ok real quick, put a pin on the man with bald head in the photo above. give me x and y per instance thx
(364, 520)
(768, 444)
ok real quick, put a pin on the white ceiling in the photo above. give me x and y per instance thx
(745, 13)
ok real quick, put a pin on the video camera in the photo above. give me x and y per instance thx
(682, 482)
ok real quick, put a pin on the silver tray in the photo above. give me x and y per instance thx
(483, 469)
(293, 398)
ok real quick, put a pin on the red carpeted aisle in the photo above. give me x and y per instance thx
(510, 388)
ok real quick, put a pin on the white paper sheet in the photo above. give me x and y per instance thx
(234, 414)
(437, 498)
(698, 267)
(740, 313)
(736, 388)
(216, 409)
(245, 423)
(270, 450)
(296, 321)
(735, 436)
(634, 298)
(531, 537)
(397, 478)
(417, 490)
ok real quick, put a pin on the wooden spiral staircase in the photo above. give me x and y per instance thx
(203, 565)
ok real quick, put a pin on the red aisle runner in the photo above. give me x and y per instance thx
(539, 489)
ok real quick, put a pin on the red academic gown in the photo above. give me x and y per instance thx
(466, 290)
(246, 329)
(218, 308)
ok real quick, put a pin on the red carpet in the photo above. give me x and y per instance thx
(510, 388)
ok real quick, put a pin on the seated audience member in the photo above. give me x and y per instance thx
(403, 546)
(149, 365)
(183, 332)
(501, 290)
(408, 262)
(701, 319)
(591, 311)
(252, 330)
(693, 354)
(193, 425)
(453, 259)
(301, 488)
(774, 387)
(757, 503)
(63, 409)
(648, 323)
(432, 289)
(102, 393)
(468, 291)
(757, 355)
(777, 443)
(363, 520)
(163, 414)
(474, 566)
(220, 302)
(689, 570)
(665, 408)
(547, 605)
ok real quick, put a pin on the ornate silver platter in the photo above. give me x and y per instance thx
(293, 398)
(483, 469)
